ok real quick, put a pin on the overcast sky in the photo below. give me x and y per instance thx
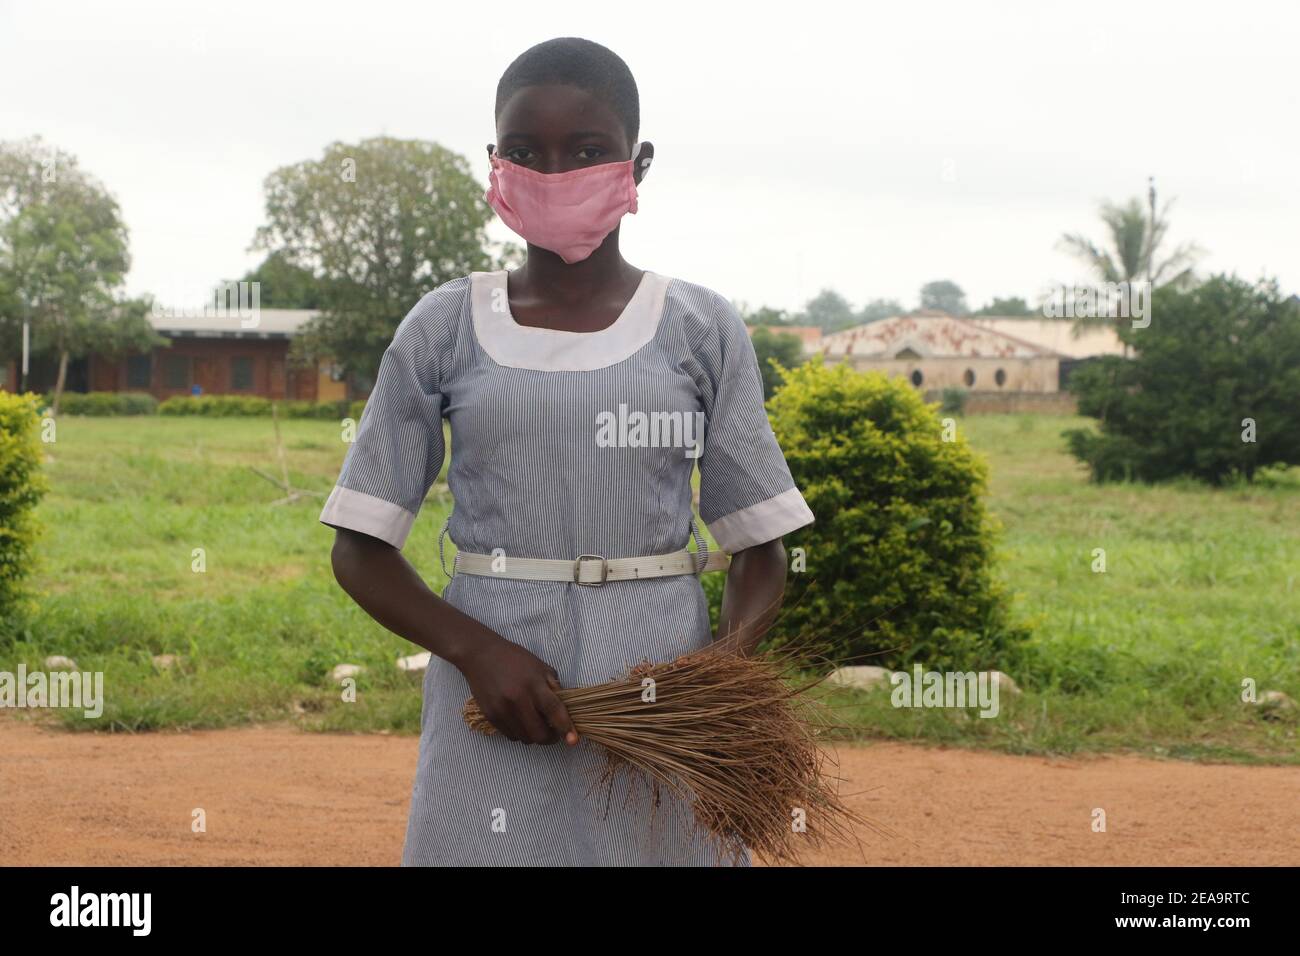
(862, 147)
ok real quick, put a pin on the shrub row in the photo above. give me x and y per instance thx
(244, 406)
(103, 404)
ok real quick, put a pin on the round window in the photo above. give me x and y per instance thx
(917, 378)
(969, 378)
(1000, 377)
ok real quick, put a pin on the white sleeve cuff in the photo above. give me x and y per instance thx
(376, 517)
(763, 522)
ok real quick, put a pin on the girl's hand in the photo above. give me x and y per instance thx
(516, 691)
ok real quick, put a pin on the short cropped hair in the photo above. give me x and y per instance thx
(576, 62)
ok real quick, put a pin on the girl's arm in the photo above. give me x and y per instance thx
(515, 688)
(748, 500)
(752, 597)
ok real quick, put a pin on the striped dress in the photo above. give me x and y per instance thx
(563, 444)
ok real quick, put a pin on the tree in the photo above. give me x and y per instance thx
(773, 345)
(1136, 236)
(1015, 306)
(63, 259)
(283, 285)
(1211, 391)
(378, 223)
(943, 295)
(879, 309)
(765, 315)
(829, 311)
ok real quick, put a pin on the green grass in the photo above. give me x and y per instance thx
(260, 628)
(1201, 590)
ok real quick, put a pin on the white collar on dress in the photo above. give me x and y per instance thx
(553, 350)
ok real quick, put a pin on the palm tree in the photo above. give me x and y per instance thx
(1136, 235)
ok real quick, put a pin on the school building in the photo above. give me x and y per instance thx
(989, 354)
(210, 354)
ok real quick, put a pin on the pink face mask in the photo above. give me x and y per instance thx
(568, 213)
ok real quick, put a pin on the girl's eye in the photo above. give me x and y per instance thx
(590, 152)
(520, 154)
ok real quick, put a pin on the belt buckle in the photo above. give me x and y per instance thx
(604, 570)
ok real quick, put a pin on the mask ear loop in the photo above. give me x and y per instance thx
(636, 151)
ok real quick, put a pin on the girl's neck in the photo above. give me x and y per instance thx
(545, 275)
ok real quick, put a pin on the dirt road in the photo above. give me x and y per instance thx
(277, 796)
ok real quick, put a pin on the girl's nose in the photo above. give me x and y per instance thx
(554, 161)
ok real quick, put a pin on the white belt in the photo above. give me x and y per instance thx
(591, 570)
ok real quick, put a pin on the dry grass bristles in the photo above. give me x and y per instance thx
(734, 737)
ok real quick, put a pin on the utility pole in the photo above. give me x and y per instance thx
(27, 350)
(1151, 228)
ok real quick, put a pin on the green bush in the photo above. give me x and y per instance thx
(329, 411)
(355, 409)
(1212, 358)
(1109, 457)
(102, 404)
(952, 401)
(22, 484)
(899, 557)
(242, 406)
(216, 406)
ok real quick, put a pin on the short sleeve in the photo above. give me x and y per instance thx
(747, 495)
(399, 447)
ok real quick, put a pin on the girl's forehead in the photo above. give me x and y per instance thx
(556, 109)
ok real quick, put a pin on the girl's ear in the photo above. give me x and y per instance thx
(641, 161)
(490, 148)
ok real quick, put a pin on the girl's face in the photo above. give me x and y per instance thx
(555, 128)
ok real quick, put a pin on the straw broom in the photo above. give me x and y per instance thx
(731, 736)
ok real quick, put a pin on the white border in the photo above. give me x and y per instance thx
(557, 350)
(763, 522)
(376, 517)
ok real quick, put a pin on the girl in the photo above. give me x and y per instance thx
(571, 386)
